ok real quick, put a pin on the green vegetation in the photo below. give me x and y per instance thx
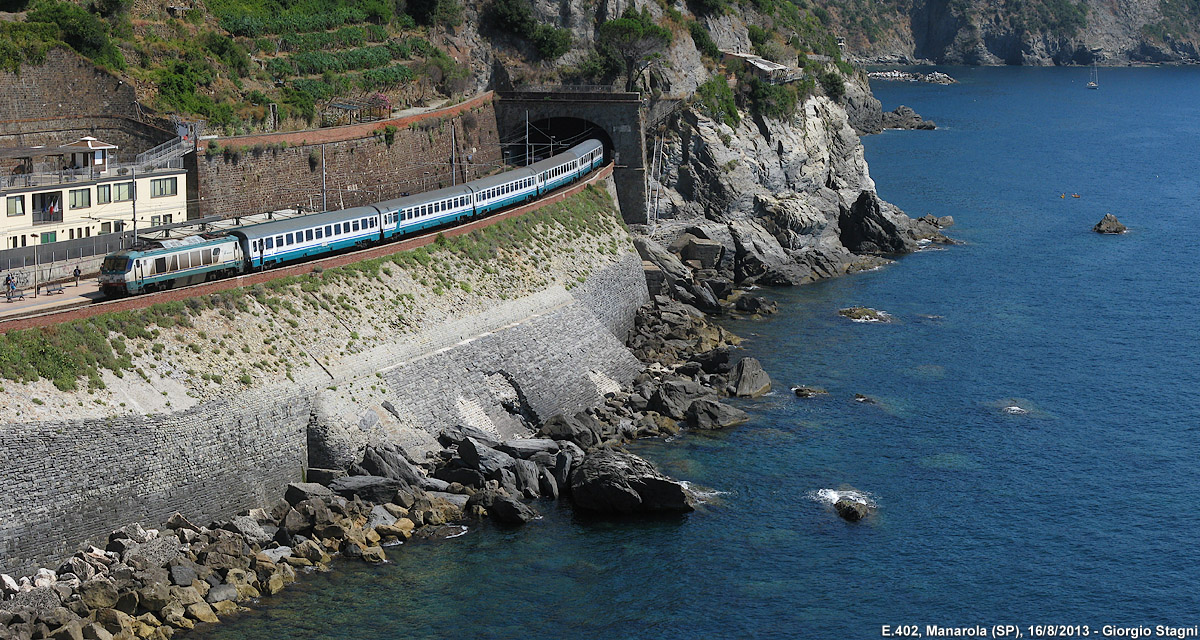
(228, 60)
(776, 101)
(834, 84)
(717, 102)
(25, 43)
(1180, 21)
(1058, 17)
(703, 40)
(80, 29)
(634, 39)
(516, 18)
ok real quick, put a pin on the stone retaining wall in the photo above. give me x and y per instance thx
(66, 483)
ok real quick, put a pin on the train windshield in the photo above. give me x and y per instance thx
(116, 264)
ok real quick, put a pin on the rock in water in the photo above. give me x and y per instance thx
(1109, 224)
(710, 414)
(802, 391)
(748, 379)
(851, 510)
(864, 314)
(905, 118)
(618, 482)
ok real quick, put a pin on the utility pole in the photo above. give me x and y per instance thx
(324, 196)
(453, 157)
(133, 173)
(527, 163)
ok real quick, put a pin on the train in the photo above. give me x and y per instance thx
(195, 259)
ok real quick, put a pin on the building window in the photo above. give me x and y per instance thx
(162, 187)
(167, 219)
(105, 227)
(16, 205)
(47, 207)
(49, 236)
(124, 192)
(81, 198)
(155, 221)
(103, 194)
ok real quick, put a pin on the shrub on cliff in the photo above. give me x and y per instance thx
(776, 101)
(716, 101)
(81, 30)
(704, 41)
(516, 18)
(636, 40)
(25, 43)
(833, 84)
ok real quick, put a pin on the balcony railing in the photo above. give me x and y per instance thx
(45, 174)
(47, 217)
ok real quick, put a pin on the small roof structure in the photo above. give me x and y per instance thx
(87, 143)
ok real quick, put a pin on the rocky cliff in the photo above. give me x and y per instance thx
(791, 200)
(1027, 33)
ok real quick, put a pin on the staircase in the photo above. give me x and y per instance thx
(167, 154)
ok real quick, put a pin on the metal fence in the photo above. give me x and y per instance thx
(65, 250)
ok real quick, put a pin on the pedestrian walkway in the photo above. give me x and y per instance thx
(87, 292)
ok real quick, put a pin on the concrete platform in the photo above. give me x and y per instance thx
(86, 293)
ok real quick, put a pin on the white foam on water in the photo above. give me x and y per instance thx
(705, 494)
(1014, 410)
(460, 533)
(831, 496)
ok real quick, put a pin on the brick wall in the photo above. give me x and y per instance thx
(268, 172)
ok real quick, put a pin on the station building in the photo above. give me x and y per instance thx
(80, 190)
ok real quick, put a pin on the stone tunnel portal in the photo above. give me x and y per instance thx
(560, 119)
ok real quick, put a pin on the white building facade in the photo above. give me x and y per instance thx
(80, 193)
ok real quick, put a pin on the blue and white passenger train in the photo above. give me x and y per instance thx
(255, 247)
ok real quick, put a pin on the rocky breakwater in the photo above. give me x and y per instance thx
(580, 457)
(150, 583)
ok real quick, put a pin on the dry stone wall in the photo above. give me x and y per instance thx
(67, 98)
(362, 164)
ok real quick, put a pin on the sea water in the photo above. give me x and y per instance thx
(1080, 509)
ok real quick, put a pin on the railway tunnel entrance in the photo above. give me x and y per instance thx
(563, 117)
(548, 136)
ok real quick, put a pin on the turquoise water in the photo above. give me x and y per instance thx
(1079, 512)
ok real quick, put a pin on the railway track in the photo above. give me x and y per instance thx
(86, 310)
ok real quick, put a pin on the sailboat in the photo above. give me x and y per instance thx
(1094, 83)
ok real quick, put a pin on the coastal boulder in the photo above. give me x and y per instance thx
(298, 492)
(748, 379)
(867, 228)
(373, 489)
(389, 461)
(903, 117)
(673, 398)
(525, 448)
(706, 413)
(1109, 224)
(617, 482)
(570, 429)
(509, 511)
(483, 458)
(455, 435)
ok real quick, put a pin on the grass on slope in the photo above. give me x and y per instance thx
(71, 353)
